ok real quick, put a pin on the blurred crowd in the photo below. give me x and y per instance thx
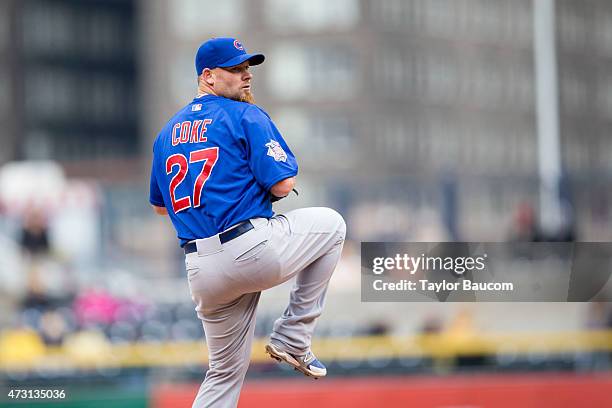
(55, 313)
(63, 302)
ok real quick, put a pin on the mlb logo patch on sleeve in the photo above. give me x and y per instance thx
(197, 107)
(276, 151)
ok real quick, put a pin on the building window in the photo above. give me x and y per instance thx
(604, 94)
(576, 153)
(439, 17)
(5, 27)
(104, 35)
(603, 32)
(47, 28)
(394, 71)
(183, 78)
(572, 25)
(293, 123)
(394, 14)
(518, 88)
(5, 93)
(442, 79)
(317, 72)
(197, 18)
(49, 94)
(321, 134)
(574, 93)
(312, 15)
(520, 22)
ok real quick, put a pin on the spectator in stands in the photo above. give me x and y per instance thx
(35, 233)
(35, 245)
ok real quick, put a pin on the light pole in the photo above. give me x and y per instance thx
(547, 115)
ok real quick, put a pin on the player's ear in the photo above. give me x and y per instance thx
(208, 77)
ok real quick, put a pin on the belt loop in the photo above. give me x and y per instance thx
(209, 245)
(258, 222)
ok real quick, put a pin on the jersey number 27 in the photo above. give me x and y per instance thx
(209, 157)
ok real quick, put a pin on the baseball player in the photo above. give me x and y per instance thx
(218, 165)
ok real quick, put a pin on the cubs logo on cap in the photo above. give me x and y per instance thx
(223, 52)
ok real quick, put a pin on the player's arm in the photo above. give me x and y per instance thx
(160, 210)
(270, 159)
(283, 187)
(155, 194)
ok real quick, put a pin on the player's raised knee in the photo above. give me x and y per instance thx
(336, 220)
(342, 225)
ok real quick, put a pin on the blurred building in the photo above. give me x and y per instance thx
(413, 107)
(407, 97)
(68, 83)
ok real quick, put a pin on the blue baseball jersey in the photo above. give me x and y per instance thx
(214, 164)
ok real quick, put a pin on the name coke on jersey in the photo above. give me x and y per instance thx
(190, 131)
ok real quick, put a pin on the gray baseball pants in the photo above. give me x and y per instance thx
(226, 280)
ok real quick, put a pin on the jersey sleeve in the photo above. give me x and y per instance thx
(155, 195)
(270, 159)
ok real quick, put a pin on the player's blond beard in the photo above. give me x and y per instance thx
(248, 98)
(248, 95)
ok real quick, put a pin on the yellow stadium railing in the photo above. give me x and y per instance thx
(25, 350)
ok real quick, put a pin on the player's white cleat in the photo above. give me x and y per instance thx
(307, 364)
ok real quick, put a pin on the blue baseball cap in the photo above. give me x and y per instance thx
(223, 52)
